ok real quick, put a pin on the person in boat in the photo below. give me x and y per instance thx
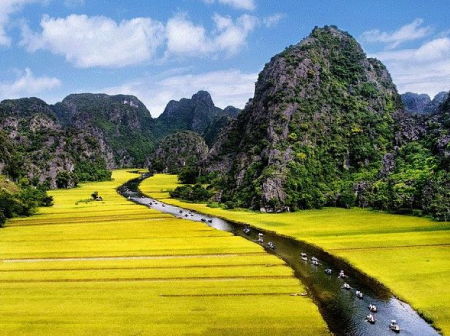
(328, 271)
(342, 274)
(260, 238)
(346, 286)
(359, 294)
(271, 245)
(373, 308)
(370, 318)
(304, 256)
(394, 326)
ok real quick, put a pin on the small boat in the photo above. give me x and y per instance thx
(370, 318)
(271, 245)
(181, 211)
(304, 256)
(394, 326)
(260, 238)
(373, 308)
(359, 294)
(203, 220)
(246, 230)
(346, 286)
(315, 262)
(328, 271)
(209, 220)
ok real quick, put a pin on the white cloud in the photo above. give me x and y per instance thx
(238, 4)
(184, 38)
(273, 20)
(422, 70)
(227, 87)
(97, 41)
(27, 85)
(409, 32)
(7, 8)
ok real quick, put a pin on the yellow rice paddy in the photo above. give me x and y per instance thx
(115, 268)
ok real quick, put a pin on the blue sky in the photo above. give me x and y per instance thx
(160, 50)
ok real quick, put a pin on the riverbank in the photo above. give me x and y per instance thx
(111, 267)
(407, 254)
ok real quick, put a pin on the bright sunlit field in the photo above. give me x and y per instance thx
(410, 255)
(112, 267)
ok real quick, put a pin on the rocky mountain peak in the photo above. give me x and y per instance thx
(320, 108)
(198, 114)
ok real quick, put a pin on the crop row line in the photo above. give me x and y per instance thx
(144, 257)
(140, 268)
(173, 279)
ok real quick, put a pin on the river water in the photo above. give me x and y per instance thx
(343, 311)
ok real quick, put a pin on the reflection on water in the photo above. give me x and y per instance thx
(343, 311)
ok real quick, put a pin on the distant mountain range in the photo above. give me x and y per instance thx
(422, 103)
(85, 135)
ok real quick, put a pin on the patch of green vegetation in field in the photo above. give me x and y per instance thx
(112, 267)
(408, 254)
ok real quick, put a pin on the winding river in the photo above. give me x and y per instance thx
(343, 311)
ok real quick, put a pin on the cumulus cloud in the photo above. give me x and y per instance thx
(7, 8)
(425, 69)
(409, 32)
(97, 41)
(184, 38)
(227, 87)
(237, 4)
(27, 85)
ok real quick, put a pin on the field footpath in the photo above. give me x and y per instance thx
(410, 255)
(112, 267)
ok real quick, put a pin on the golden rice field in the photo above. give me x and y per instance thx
(115, 268)
(410, 255)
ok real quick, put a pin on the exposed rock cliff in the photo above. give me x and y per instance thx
(122, 125)
(179, 150)
(198, 114)
(39, 147)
